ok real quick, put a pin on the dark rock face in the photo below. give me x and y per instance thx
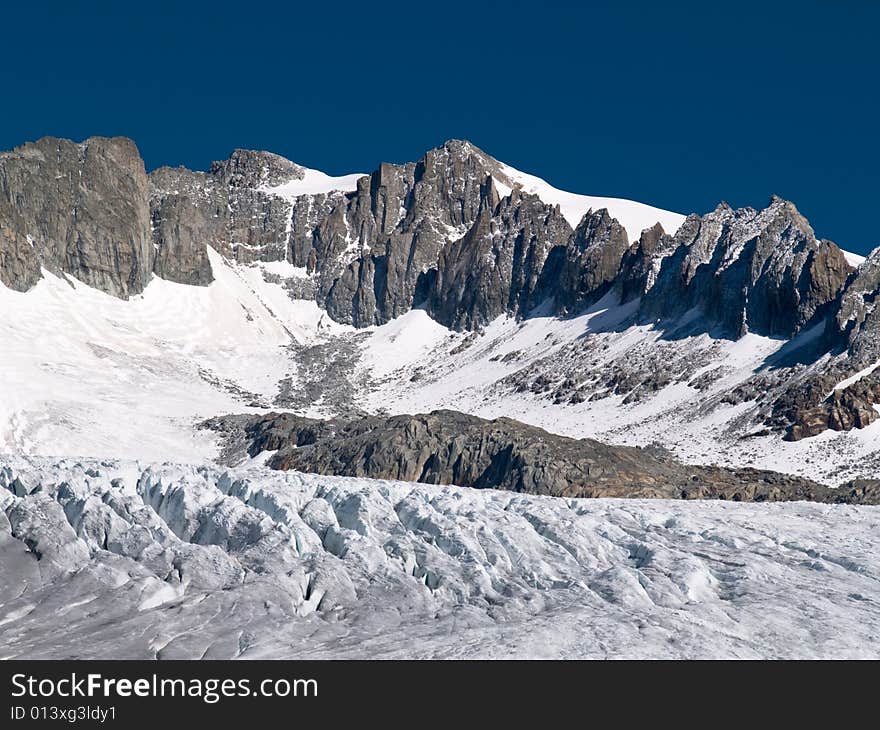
(179, 228)
(79, 209)
(852, 329)
(589, 264)
(447, 447)
(856, 322)
(641, 263)
(844, 409)
(749, 271)
(226, 208)
(19, 260)
(494, 269)
(399, 220)
(743, 270)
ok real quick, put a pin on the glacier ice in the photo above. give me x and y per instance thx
(119, 559)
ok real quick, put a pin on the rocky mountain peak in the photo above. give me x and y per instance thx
(252, 168)
(787, 213)
(589, 265)
(749, 271)
(462, 149)
(596, 226)
(651, 237)
(79, 209)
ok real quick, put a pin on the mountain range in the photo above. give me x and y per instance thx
(265, 412)
(468, 240)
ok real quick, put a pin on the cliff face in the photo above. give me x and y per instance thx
(78, 209)
(226, 208)
(496, 267)
(395, 226)
(856, 321)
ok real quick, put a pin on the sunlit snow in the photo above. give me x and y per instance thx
(634, 217)
(313, 182)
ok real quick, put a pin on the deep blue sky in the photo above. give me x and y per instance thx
(679, 106)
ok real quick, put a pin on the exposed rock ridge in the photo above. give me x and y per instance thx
(496, 267)
(749, 271)
(448, 447)
(398, 221)
(403, 237)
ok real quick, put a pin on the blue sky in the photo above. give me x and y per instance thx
(680, 106)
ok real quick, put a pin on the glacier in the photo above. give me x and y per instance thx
(127, 559)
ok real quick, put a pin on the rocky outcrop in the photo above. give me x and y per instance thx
(842, 410)
(641, 263)
(749, 271)
(813, 404)
(19, 260)
(447, 447)
(78, 209)
(855, 326)
(183, 228)
(229, 208)
(583, 271)
(398, 221)
(89, 210)
(495, 268)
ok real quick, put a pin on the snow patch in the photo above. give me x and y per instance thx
(313, 182)
(853, 259)
(284, 269)
(634, 217)
(863, 373)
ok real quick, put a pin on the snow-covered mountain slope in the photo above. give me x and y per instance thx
(634, 217)
(854, 259)
(120, 560)
(260, 284)
(561, 375)
(87, 374)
